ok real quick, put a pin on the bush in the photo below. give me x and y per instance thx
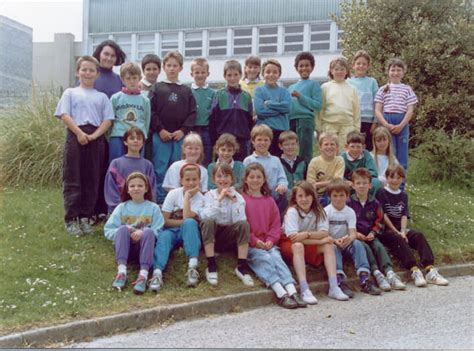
(435, 39)
(31, 143)
(445, 158)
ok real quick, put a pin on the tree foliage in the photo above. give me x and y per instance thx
(435, 38)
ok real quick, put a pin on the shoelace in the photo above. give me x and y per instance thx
(139, 280)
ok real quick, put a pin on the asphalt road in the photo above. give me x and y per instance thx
(433, 317)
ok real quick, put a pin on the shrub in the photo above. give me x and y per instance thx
(435, 40)
(31, 143)
(445, 158)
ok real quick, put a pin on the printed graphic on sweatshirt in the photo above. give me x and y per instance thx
(137, 222)
(395, 210)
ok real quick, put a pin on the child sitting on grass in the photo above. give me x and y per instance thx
(134, 227)
(224, 224)
(398, 237)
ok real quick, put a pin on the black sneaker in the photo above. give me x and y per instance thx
(299, 301)
(346, 289)
(369, 288)
(287, 302)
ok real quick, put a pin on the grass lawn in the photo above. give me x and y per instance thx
(48, 277)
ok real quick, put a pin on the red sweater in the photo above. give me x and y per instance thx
(264, 219)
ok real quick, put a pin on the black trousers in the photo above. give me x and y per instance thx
(83, 174)
(365, 128)
(403, 250)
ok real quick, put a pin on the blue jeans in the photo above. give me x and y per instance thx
(400, 141)
(203, 132)
(164, 154)
(187, 235)
(269, 266)
(117, 148)
(358, 254)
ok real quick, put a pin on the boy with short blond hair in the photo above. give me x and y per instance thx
(173, 115)
(131, 109)
(232, 110)
(342, 228)
(356, 156)
(204, 96)
(369, 228)
(294, 165)
(261, 137)
(326, 167)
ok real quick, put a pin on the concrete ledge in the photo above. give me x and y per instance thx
(125, 322)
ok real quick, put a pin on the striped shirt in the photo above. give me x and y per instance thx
(397, 99)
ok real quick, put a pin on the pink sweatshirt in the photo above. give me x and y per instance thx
(264, 219)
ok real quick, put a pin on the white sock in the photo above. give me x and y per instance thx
(279, 290)
(122, 268)
(377, 273)
(291, 289)
(193, 262)
(157, 272)
(144, 273)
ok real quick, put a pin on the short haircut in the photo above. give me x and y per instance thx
(151, 58)
(254, 166)
(305, 55)
(125, 196)
(361, 172)
(338, 185)
(193, 139)
(355, 138)
(232, 65)
(397, 63)
(330, 136)
(133, 130)
(200, 61)
(253, 61)
(261, 129)
(86, 58)
(130, 68)
(119, 54)
(189, 167)
(341, 61)
(359, 54)
(228, 140)
(271, 62)
(225, 169)
(173, 54)
(395, 169)
(287, 135)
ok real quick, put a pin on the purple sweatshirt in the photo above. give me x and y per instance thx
(118, 172)
(108, 82)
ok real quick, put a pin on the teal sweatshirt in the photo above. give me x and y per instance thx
(203, 97)
(366, 88)
(272, 105)
(130, 111)
(309, 101)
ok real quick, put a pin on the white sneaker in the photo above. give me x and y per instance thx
(245, 278)
(433, 277)
(417, 276)
(382, 282)
(155, 283)
(337, 294)
(308, 297)
(211, 277)
(193, 277)
(395, 281)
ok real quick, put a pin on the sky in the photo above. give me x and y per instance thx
(46, 17)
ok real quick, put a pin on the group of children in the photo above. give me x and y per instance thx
(264, 195)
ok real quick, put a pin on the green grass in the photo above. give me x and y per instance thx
(50, 278)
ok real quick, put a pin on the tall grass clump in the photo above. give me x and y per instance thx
(31, 142)
(445, 158)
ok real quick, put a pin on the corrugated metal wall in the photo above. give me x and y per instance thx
(112, 16)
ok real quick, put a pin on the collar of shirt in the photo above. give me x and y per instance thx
(195, 86)
(267, 155)
(131, 91)
(395, 192)
(146, 83)
(292, 161)
(350, 158)
(230, 164)
(255, 81)
(170, 82)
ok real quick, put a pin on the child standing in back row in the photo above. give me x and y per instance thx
(306, 101)
(340, 113)
(394, 105)
(87, 114)
(366, 88)
(251, 78)
(173, 114)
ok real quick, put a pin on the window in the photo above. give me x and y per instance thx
(125, 43)
(340, 34)
(145, 45)
(293, 38)
(193, 44)
(96, 40)
(218, 42)
(267, 40)
(320, 36)
(169, 42)
(242, 41)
